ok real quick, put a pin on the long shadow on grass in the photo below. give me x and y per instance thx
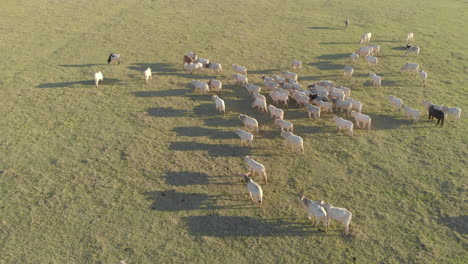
(171, 200)
(223, 122)
(458, 223)
(244, 226)
(266, 71)
(106, 82)
(81, 65)
(185, 178)
(203, 132)
(162, 93)
(166, 112)
(332, 43)
(214, 150)
(395, 121)
(334, 28)
(333, 56)
(167, 69)
(327, 65)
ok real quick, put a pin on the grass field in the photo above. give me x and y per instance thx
(151, 173)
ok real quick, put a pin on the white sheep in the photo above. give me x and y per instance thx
(324, 106)
(346, 90)
(296, 65)
(279, 79)
(290, 75)
(338, 214)
(255, 191)
(409, 37)
(371, 60)
(375, 80)
(414, 49)
(410, 67)
(239, 69)
(296, 141)
(364, 51)
(271, 85)
(192, 55)
(395, 102)
(256, 167)
(354, 57)
(249, 122)
(260, 104)
(256, 95)
(148, 74)
(252, 88)
(356, 105)
(360, 118)
(214, 67)
(215, 85)
(412, 113)
(423, 76)
(201, 86)
(191, 67)
(343, 124)
(300, 97)
(313, 110)
(276, 112)
(220, 107)
(343, 105)
(365, 38)
(283, 124)
(240, 79)
(280, 95)
(246, 137)
(348, 72)
(98, 78)
(337, 94)
(204, 62)
(314, 210)
(375, 49)
(454, 112)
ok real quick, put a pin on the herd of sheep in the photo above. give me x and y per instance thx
(320, 97)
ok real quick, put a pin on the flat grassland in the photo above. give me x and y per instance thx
(151, 173)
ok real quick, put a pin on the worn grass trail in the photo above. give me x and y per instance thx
(151, 173)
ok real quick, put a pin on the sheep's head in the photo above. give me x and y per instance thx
(246, 177)
(242, 117)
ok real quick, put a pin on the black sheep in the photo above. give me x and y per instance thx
(113, 57)
(438, 114)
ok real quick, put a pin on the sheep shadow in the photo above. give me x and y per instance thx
(157, 68)
(269, 71)
(166, 112)
(457, 223)
(333, 43)
(171, 200)
(333, 56)
(326, 65)
(105, 82)
(399, 48)
(223, 122)
(215, 225)
(81, 65)
(162, 93)
(186, 178)
(386, 121)
(330, 28)
(203, 132)
(220, 150)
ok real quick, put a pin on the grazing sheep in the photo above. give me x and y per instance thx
(255, 191)
(346, 90)
(414, 49)
(98, 78)
(278, 79)
(428, 104)
(240, 79)
(280, 95)
(375, 80)
(423, 76)
(187, 59)
(346, 23)
(354, 57)
(252, 88)
(412, 113)
(364, 51)
(324, 83)
(410, 37)
(249, 122)
(343, 105)
(192, 55)
(148, 74)
(215, 85)
(296, 85)
(314, 210)
(114, 57)
(246, 137)
(375, 49)
(254, 166)
(271, 85)
(191, 67)
(371, 60)
(356, 105)
(296, 65)
(338, 214)
(336, 94)
(260, 104)
(290, 75)
(365, 38)
(201, 86)
(204, 62)
(214, 67)
(360, 118)
(220, 107)
(343, 124)
(276, 112)
(348, 72)
(324, 106)
(410, 67)
(256, 95)
(295, 141)
(313, 110)
(455, 112)
(438, 114)
(239, 69)
(283, 124)
(300, 97)
(395, 102)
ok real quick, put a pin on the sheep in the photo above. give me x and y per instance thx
(409, 37)
(252, 88)
(256, 95)
(249, 122)
(300, 97)
(455, 112)
(423, 76)
(412, 113)
(324, 106)
(204, 62)
(360, 118)
(314, 210)
(296, 85)
(346, 23)
(324, 83)
(375, 80)
(187, 59)
(354, 57)
(364, 51)
(191, 67)
(246, 137)
(395, 102)
(414, 49)
(283, 124)
(410, 67)
(254, 166)
(220, 107)
(365, 38)
(295, 141)
(239, 69)
(278, 79)
(375, 49)
(214, 67)
(267, 79)
(438, 114)
(114, 57)
(343, 124)
(337, 95)
(296, 65)
(98, 78)
(201, 86)
(192, 55)
(280, 95)
(290, 75)
(338, 214)
(276, 112)
(260, 104)
(255, 191)
(371, 60)
(270, 85)
(346, 91)
(240, 79)
(313, 110)
(356, 105)
(428, 104)
(148, 74)
(348, 72)
(343, 105)
(215, 85)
